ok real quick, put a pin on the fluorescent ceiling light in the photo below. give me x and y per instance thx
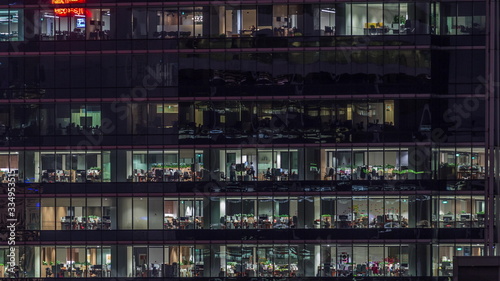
(331, 11)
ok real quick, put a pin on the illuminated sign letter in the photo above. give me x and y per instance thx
(66, 12)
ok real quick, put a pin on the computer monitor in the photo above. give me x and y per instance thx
(448, 218)
(80, 23)
(465, 217)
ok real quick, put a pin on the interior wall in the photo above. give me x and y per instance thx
(249, 19)
(155, 255)
(140, 213)
(356, 18)
(9, 162)
(125, 214)
(375, 13)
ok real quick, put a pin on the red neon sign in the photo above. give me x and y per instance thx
(66, 12)
(67, 1)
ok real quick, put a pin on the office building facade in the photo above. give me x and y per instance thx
(248, 139)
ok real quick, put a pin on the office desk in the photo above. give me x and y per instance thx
(343, 224)
(447, 224)
(375, 31)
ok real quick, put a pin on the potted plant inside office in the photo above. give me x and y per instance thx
(395, 21)
(86, 268)
(389, 170)
(398, 20)
(402, 19)
(186, 264)
(47, 267)
(58, 267)
(327, 220)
